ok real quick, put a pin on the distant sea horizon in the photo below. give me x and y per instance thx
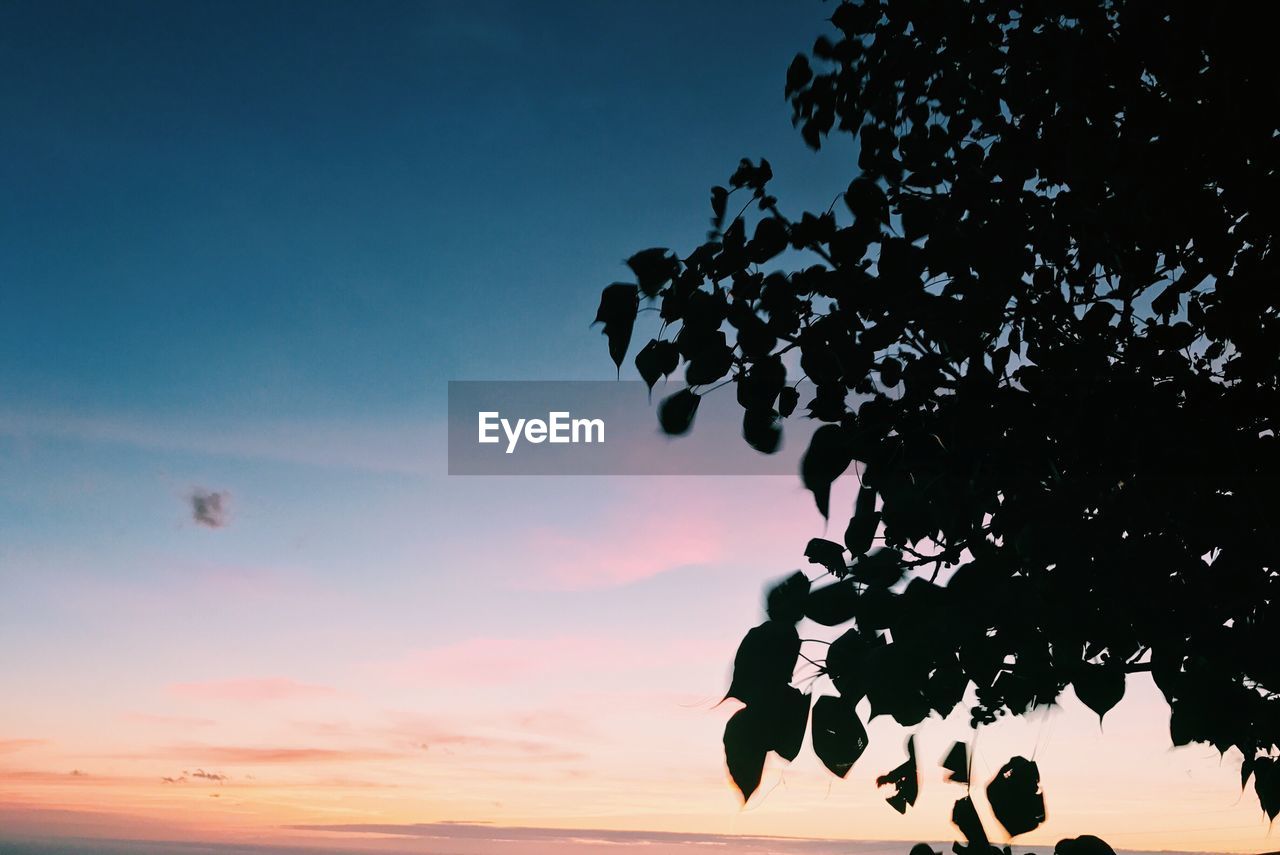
(520, 841)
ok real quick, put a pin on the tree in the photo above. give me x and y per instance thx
(1043, 327)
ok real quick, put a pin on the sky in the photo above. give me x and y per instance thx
(245, 246)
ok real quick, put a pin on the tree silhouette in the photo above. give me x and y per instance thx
(1041, 324)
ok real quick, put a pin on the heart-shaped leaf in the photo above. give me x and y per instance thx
(785, 602)
(839, 737)
(1015, 796)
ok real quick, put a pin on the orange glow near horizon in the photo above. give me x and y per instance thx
(219, 701)
(608, 730)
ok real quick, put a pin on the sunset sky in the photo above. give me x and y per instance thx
(245, 246)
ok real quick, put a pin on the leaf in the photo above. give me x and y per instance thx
(945, 686)
(761, 430)
(1166, 302)
(785, 602)
(839, 737)
(765, 661)
(654, 268)
(890, 371)
(773, 723)
(619, 304)
(770, 239)
(1100, 687)
(829, 554)
(1085, 844)
(877, 608)
(1099, 316)
(719, 199)
(759, 385)
(1266, 783)
(861, 531)
(832, 605)
(750, 175)
(957, 763)
(1015, 797)
(788, 398)
(879, 569)
(784, 717)
(710, 362)
(846, 662)
(1246, 769)
(744, 751)
(1188, 719)
(905, 780)
(676, 412)
(657, 359)
(826, 459)
(965, 817)
(757, 341)
(866, 201)
(798, 74)
(854, 19)
(895, 684)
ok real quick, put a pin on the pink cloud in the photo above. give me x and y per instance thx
(490, 660)
(503, 660)
(478, 744)
(659, 525)
(8, 746)
(620, 556)
(72, 777)
(249, 690)
(250, 756)
(183, 722)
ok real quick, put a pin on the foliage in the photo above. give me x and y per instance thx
(1041, 323)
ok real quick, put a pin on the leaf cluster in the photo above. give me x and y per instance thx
(1042, 322)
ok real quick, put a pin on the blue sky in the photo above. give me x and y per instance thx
(333, 208)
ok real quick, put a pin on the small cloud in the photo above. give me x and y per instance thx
(209, 507)
(216, 777)
(168, 780)
(498, 660)
(10, 745)
(248, 690)
(236, 755)
(179, 721)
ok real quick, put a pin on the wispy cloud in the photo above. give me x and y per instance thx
(250, 690)
(583, 838)
(482, 739)
(489, 660)
(507, 660)
(405, 448)
(618, 556)
(216, 777)
(230, 755)
(38, 776)
(209, 508)
(8, 746)
(656, 526)
(178, 721)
